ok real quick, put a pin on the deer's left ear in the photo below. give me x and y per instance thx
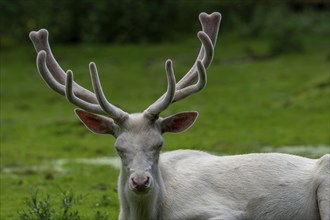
(96, 123)
(178, 122)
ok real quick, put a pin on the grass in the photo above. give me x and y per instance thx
(247, 105)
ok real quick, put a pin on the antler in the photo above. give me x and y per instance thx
(96, 102)
(63, 83)
(185, 87)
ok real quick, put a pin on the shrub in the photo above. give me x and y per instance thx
(44, 209)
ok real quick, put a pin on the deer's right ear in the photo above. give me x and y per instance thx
(96, 123)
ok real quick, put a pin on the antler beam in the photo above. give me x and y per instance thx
(167, 99)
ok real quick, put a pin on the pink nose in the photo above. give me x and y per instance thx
(140, 183)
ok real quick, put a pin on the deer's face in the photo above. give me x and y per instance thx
(138, 145)
(138, 142)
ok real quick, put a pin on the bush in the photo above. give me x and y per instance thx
(72, 21)
(44, 210)
(283, 31)
(101, 21)
(283, 27)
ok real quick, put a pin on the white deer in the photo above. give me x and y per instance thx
(190, 184)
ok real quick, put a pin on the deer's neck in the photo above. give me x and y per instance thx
(141, 206)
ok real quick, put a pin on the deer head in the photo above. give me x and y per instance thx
(138, 135)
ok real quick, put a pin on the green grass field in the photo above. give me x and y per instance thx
(247, 105)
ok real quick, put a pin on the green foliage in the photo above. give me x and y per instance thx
(45, 210)
(153, 21)
(283, 31)
(101, 216)
(283, 27)
(101, 21)
(285, 40)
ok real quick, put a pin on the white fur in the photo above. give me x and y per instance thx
(253, 186)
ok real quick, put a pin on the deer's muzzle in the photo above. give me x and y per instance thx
(140, 183)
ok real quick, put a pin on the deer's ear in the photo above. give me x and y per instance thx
(178, 122)
(96, 123)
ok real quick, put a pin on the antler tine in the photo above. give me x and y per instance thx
(210, 26)
(114, 112)
(40, 42)
(156, 108)
(46, 75)
(186, 91)
(95, 108)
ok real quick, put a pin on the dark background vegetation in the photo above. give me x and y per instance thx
(145, 21)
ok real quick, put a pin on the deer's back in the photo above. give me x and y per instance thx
(248, 186)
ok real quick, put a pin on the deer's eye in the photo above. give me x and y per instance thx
(158, 147)
(120, 151)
